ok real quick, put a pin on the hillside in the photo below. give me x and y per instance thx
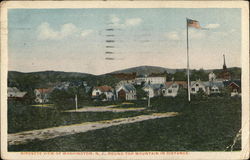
(41, 79)
(31, 80)
(141, 70)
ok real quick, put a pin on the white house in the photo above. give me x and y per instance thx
(196, 86)
(106, 90)
(209, 87)
(126, 92)
(171, 89)
(211, 76)
(213, 87)
(153, 89)
(151, 80)
(42, 95)
(13, 92)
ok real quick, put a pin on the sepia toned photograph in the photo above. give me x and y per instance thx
(119, 81)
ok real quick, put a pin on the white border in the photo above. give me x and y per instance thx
(244, 154)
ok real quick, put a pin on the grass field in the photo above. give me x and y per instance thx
(209, 124)
(28, 117)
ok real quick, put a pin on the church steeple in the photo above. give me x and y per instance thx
(224, 64)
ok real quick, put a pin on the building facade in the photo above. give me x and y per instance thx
(126, 92)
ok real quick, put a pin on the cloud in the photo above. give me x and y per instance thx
(173, 35)
(133, 21)
(130, 22)
(212, 26)
(196, 34)
(46, 32)
(181, 35)
(84, 33)
(114, 19)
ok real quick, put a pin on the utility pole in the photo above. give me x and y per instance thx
(76, 102)
(148, 100)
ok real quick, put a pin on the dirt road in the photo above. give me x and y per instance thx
(48, 133)
(105, 109)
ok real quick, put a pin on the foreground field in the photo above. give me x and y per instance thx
(23, 117)
(210, 124)
(49, 133)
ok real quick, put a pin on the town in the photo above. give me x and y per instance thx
(132, 87)
(47, 108)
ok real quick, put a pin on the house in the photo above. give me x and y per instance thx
(62, 86)
(150, 80)
(211, 76)
(153, 90)
(129, 81)
(182, 84)
(107, 91)
(66, 85)
(170, 89)
(126, 92)
(42, 95)
(197, 86)
(213, 87)
(234, 87)
(87, 89)
(14, 93)
(85, 84)
(209, 87)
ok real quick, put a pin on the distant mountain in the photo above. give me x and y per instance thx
(48, 74)
(45, 79)
(142, 70)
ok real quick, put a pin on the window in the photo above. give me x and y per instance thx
(193, 89)
(197, 85)
(174, 86)
(170, 91)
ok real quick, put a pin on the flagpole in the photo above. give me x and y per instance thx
(189, 98)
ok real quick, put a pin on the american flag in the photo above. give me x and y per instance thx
(193, 23)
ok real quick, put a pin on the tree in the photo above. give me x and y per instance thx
(30, 97)
(200, 74)
(180, 76)
(103, 96)
(200, 94)
(140, 93)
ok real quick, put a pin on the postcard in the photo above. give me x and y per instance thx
(124, 80)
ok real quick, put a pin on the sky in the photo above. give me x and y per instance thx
(75, 40)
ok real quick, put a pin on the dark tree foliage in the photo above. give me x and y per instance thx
(199, 74)
(140, 93)
(63, 98)
(180, 76)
